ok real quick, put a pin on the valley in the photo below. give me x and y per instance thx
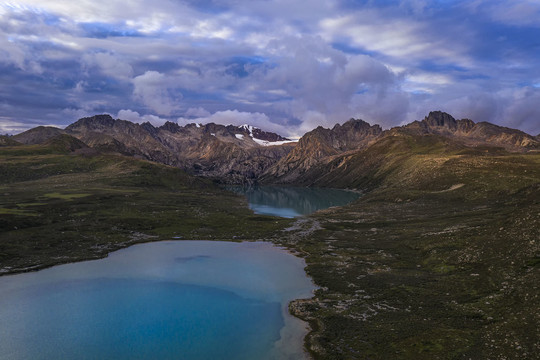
(438, 259)
(430, 271)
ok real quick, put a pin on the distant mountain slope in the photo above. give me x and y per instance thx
(247, 155)
(392, 159)
(65, 143)
(346, 154)
(471, 133)
(37, 135)
(104, 133)
(320, 145)
(231, 153)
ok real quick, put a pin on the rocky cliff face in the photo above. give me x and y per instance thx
(320, 146)
(234, 154)
(471, 133)
(109, 135)
(244, 154)
(324, 156)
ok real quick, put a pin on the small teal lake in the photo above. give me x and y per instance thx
(290, 202)
(163, 300)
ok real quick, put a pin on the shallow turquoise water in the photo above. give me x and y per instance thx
(290, 202)
(166, 300)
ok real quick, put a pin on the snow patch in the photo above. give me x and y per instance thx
(213, 134)
(272, 143)
(247, 127)
(239, 136)
(250, 129)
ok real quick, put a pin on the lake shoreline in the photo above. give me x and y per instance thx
(289, 317)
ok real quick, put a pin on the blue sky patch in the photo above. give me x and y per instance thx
(294, 65)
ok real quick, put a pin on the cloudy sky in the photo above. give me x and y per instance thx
(283, 65)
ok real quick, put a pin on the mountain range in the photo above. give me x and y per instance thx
(248, 155)
(438, 259)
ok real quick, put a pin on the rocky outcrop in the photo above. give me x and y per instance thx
(232, 154)
(107, 134)
(244, 154)
(321, 145)
(471, 133)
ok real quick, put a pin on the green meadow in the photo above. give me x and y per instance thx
(439, 259)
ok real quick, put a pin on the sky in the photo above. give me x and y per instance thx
(286, 66)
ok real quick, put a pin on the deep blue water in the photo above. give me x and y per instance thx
(290, 202)
(167, 300)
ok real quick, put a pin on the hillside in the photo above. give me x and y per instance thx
(319, 146)
(248, 155)
(232, 154)
(354, 155)
(438, 260)
(471, 133)
(63, 201)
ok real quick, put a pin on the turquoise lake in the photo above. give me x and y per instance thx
(164, 300)
(290, 202)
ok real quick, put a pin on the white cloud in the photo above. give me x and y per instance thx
(321, 86)
(212, 28)
(311, 119)
(399, 38)
(13, 53)
(388, 108)
(109, 64)
(9, 126)
(383, 63)
(156, 91)
(197, 112)
(135, 117)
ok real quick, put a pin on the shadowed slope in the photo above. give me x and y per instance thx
(59, 206)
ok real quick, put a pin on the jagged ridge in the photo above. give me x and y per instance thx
(240, 154)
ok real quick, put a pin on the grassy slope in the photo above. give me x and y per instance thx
(58, 207)
(440, 261)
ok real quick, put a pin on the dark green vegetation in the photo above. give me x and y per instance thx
(60, 206)
(440, 260)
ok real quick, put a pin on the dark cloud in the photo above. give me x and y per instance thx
(281, 64)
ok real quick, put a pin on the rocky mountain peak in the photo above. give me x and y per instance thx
(470, 133)
(321, 144)
(171, 127)
(256, 133)
(37, 135)
(246, 153)
(352, 134)
(441, 119)
(353, 124)
(152, 130)
(96, 122)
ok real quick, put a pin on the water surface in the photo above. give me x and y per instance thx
(291, 202)
(164, 300)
